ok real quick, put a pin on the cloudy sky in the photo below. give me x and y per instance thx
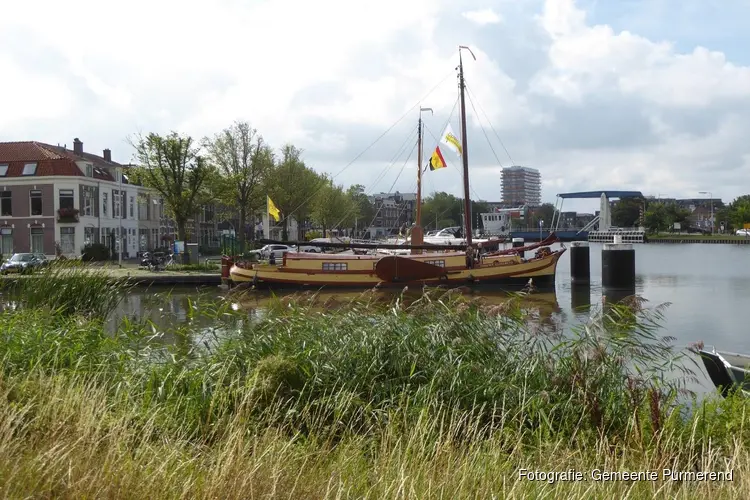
(651, 95)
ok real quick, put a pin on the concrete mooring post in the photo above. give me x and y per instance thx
(618, 265)
(580, 263)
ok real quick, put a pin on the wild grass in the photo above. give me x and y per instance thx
(435, 397)
(68, 288)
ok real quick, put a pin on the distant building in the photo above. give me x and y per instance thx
(392, 211)
(521, 186)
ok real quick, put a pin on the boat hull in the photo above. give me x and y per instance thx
(493, 272)
(727, 371)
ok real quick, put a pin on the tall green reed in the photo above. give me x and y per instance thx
(69, 289)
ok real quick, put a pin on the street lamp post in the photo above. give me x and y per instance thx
(711, 196)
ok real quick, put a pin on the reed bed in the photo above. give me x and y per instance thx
(438, 396)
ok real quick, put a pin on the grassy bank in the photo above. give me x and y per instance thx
(696, 237)
(438, 396)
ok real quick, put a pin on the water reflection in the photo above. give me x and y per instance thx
(179, 307)
(615, 295)
(580, 297)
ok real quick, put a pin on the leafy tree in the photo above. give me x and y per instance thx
(172, 167)
(243, 160)
(441, 210)
(677, 214)
(544, 212)
(656, 217)
(365, 211)
(332, 207)
(736, 213)
(626, 212)
(292, 187)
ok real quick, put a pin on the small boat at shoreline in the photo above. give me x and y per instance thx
(727, 370)
(451, 257)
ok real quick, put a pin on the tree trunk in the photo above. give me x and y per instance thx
(241, 236)
(182, 235)
(284, 230)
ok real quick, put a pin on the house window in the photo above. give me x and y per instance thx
(36, 202)
(105, 202)
(3, 170)
(68, 239)
(6, 207)
(66, 199)
(37, 240)
(29, 169)
(89, 170)
(122, 203)
(132, 207)
(6, 241)
(116, 200)
(335, 266)
(88, 200)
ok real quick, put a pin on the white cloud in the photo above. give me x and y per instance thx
(589, 106)
(28, 96)
(482, 17)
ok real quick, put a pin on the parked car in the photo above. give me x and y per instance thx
(23, 263)
(314, 249)
(743, 232)
(278, 251)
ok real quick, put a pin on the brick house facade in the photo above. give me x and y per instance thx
(51, 195)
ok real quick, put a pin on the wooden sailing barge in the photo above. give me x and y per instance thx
(426, 265)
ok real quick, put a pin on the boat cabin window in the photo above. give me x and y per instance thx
(335, 266)
(439, 263)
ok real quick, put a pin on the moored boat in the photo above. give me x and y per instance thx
(427, 261)
(435, 268)
(727, 370)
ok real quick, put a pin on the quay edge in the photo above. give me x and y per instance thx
(147, 281)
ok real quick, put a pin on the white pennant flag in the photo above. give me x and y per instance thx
(451, 141)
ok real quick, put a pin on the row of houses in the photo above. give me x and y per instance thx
(56, 200)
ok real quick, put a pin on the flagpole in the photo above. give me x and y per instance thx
(419, 166)
(465, 151)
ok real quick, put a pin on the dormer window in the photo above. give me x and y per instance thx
(3, 170)
(89, 170)
(29, 169)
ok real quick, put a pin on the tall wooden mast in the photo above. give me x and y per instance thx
(419, 167)
(464, 149)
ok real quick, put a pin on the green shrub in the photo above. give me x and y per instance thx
(95, 252)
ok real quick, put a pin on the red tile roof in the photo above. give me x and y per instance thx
(44, 168)
(18, 154)
(26, 151)
(51, 160)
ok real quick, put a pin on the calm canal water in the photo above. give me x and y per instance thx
(707, 285)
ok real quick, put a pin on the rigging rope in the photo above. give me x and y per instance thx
(401, 150)
(454, 166)
(395, 180)
(485, 132)
(286, 216)
(490, 124)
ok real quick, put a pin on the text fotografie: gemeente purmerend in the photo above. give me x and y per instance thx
(572, 475)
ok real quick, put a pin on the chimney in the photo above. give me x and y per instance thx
(77, 146)
(108, 155)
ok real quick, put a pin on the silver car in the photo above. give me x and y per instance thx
(278, 251)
